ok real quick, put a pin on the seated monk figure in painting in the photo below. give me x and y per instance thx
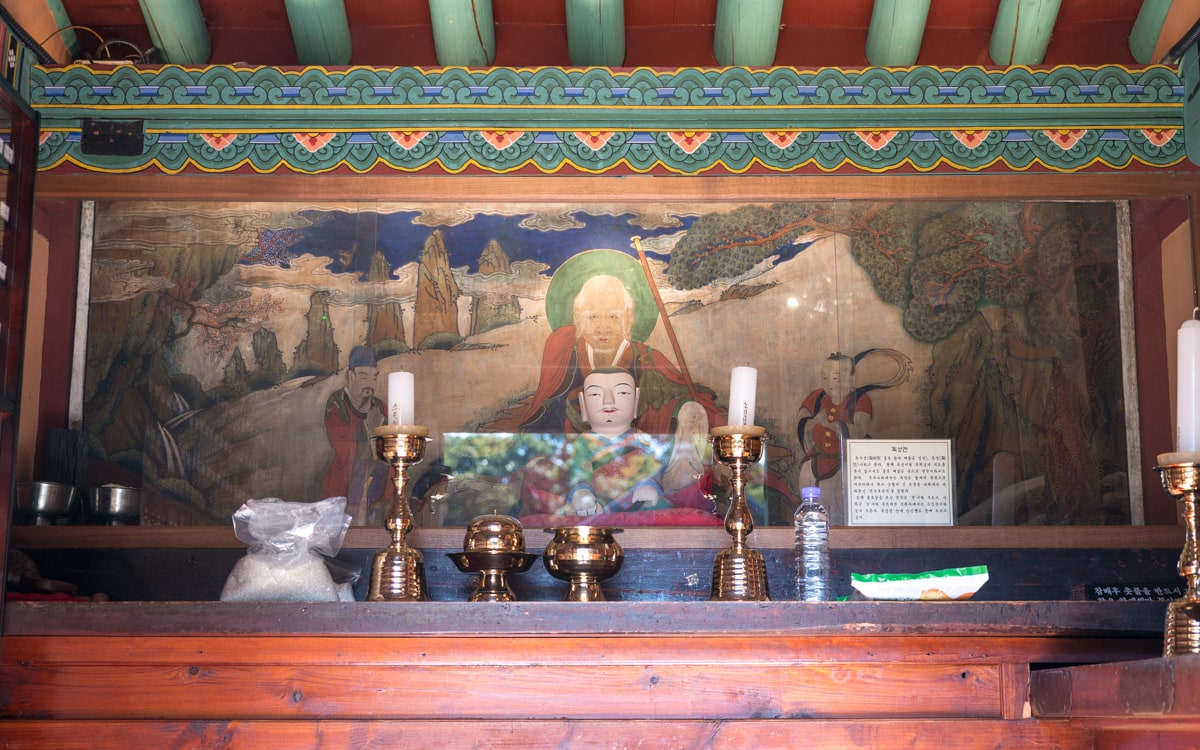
(607, 331)
(613, 467)
(602, 309)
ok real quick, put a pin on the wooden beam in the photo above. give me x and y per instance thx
(177, 30)
(897, 27)
(463, 32)
(47, 23)
(882, 734)
(596, 32)
(1180, 18)
(1022, 31)
(320, 31)
(1147, 29)
(747, 32)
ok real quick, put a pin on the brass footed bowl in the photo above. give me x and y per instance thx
(583, 556)
(493, 568)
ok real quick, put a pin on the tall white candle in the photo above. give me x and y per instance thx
(742, 385)
(401, 398)
(1187, 388)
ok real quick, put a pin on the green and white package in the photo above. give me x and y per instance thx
(932, 585)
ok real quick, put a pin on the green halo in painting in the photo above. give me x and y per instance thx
(569, 279)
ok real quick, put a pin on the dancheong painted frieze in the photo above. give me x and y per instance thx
(598, 120)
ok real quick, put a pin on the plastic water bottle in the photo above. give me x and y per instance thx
(812, 547)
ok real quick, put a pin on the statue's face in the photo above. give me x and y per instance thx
(609, 402)
(603, 327)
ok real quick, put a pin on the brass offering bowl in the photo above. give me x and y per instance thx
(494, 568)
(583, 556)
(494, 533)
(493, 546)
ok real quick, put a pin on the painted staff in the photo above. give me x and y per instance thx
(662, 311)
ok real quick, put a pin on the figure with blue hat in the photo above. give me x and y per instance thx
(351, 415)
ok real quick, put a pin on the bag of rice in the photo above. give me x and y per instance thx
(286, 541)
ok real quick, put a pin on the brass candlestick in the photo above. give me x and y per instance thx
(739, 573)
(398, 572)
(1182, 632)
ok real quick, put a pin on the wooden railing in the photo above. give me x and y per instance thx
(678, 674)
(657, 665)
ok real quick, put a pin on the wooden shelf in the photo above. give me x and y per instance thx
(966, 537)
(852, 618)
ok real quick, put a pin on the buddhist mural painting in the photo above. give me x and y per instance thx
(241, 350)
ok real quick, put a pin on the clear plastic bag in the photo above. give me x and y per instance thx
(287, 540)
(345, 574)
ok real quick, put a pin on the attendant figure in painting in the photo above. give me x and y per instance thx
(613, 467)
(833, 413)
(841, 410)
(351, 415)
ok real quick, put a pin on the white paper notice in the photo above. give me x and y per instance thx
(899, 483)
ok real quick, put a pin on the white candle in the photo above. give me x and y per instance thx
(1187, 388)
(742, 384)
(401, 398)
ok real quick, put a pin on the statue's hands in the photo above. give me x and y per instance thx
(644, 494)
(583, 503)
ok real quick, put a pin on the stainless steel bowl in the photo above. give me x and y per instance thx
(44, 502)
(115, 505)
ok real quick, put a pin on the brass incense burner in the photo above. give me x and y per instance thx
(583, 556)
(398, 572)
(493, 546)
(739, 573)
(1182, 632)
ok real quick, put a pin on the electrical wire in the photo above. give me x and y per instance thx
(89, 29)
(103, 49)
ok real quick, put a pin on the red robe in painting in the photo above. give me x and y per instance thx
(831, 425)
(353, 471)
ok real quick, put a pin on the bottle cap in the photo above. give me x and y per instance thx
(810, 493)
